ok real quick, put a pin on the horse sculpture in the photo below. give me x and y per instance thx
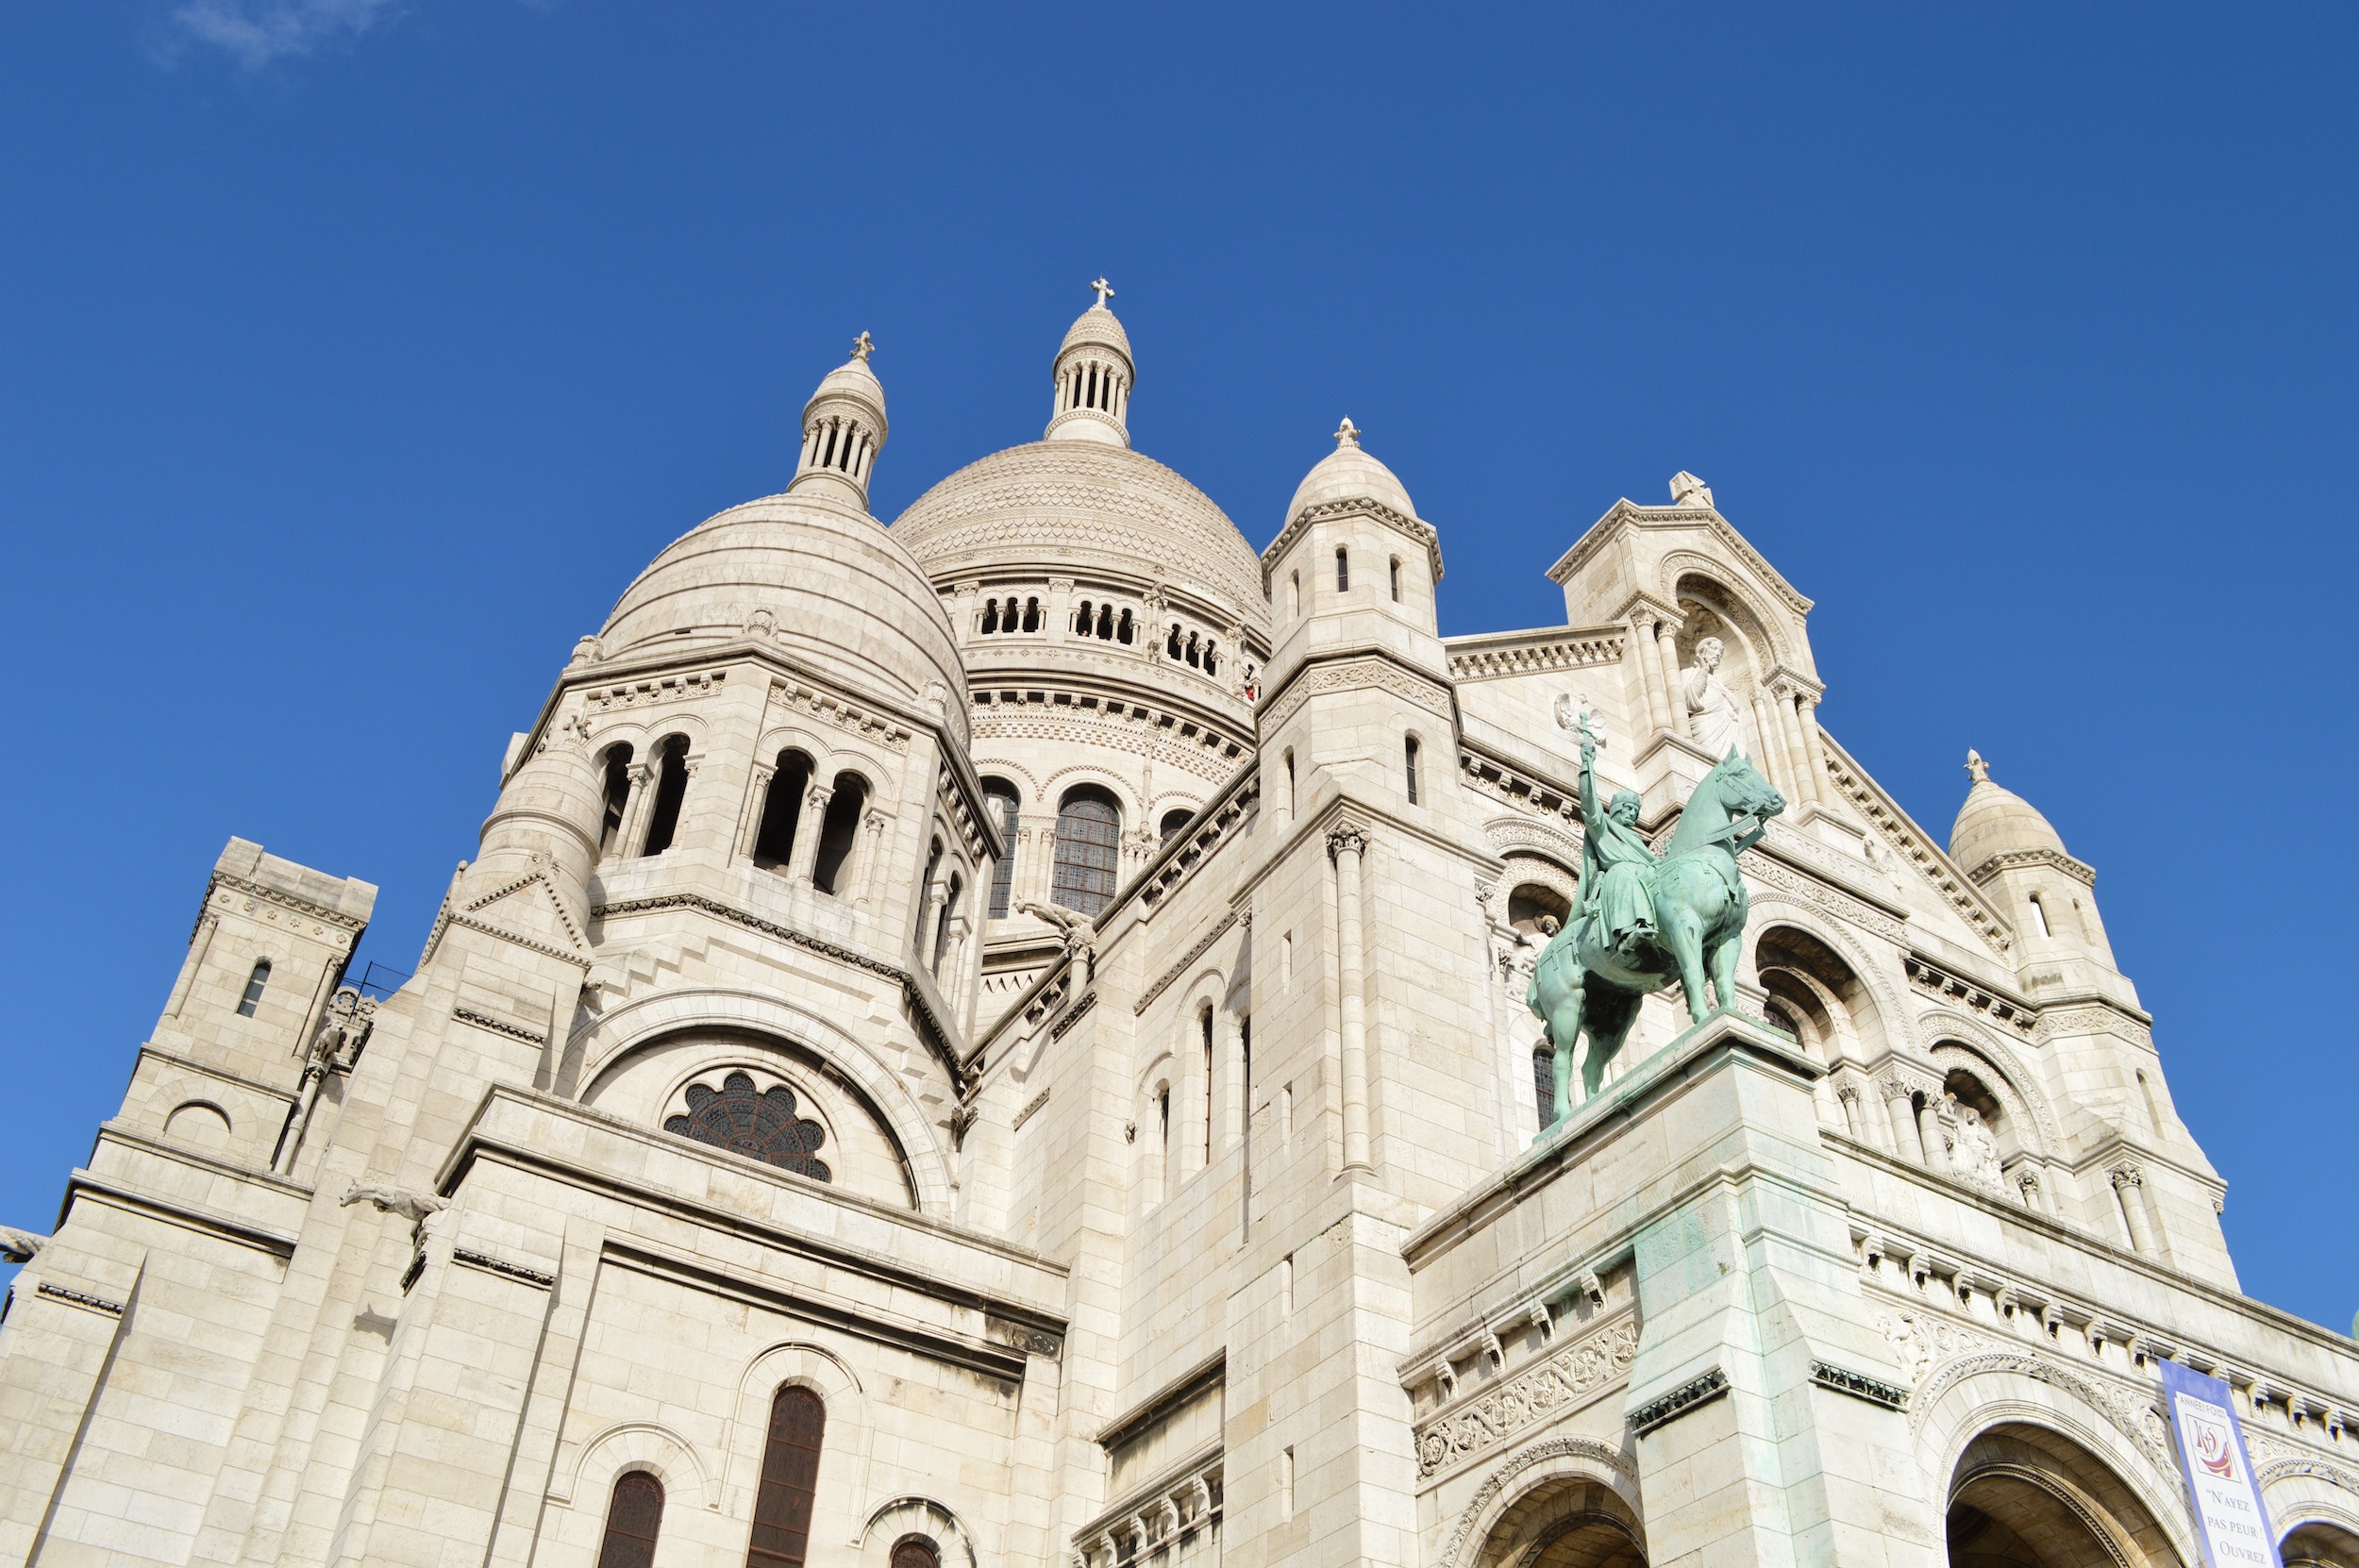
(1587, 979)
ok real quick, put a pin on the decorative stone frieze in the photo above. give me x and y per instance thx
(1569, 1378)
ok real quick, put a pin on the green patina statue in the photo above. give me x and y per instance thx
(1645, 922)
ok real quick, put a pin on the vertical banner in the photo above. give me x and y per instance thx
(2230, 1519)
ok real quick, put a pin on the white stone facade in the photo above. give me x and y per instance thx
(1001, 1041)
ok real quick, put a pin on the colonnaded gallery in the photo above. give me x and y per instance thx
(1013, 1040)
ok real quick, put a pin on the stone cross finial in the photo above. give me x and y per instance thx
(1347, 434)
(1975, 766)
(862, 348)
(1688, 491)
(1105, 292)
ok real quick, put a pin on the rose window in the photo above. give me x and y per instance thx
(736, 1118)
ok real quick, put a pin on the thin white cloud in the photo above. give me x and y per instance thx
(256, 32)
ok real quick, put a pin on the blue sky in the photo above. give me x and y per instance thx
(353, 354)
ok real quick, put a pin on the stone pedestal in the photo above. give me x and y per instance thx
(1767, 1415)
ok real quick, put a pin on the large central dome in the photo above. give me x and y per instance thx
(1083, 500)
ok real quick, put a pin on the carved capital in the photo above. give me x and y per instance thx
(2126, 1175)
(818, 797)
(1347, 840)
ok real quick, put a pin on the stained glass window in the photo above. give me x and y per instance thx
(1089, 846)
(790, 1480)
(764, 1125)
(632, 1519)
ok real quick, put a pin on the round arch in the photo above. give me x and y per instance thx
(1545, 1484)
(646, 1445)
(607, 1040)
(899, 1518)
(807, 1364)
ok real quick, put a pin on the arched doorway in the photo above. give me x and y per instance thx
(2026, 1498)
(1565, 1521)
(2318, 1544)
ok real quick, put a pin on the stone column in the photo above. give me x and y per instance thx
(1789, 744)
(1806, 778)
(1674, 696)
(1806, 714)
(1638, 655)
(636, 809)
(1060, 610)
(1347, 846)
(1770, 745)
(2128, 1183)
(869, 856)
(757, 802)
(1928, 1128)
(1907, 1143)
(963, 613)
(799, 865)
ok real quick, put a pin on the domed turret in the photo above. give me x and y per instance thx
(843, 429)
(1349, 474)
(1094, 375)
(1996, 820)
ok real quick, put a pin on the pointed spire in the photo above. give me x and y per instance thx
(843, 429)
(1093, 373)
(1347, 434)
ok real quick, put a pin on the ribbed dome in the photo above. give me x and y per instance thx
(1348, 473)
(854, 378)
(845, 596)
(1997, 821)
(1097, 324)
(1064, 502)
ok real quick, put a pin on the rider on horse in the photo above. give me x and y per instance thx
(1617, 864)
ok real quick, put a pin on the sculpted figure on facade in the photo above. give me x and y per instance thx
(1715, 719)
(1643, 924)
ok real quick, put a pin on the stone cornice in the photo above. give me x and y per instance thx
(2079, 871)
(1628, 514)
(1416, 531)
(1898, 829)
(1492, 655)
(264, 893)
(1346, 668)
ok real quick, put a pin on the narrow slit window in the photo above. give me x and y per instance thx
(1408, 758)
(1205, 1021)
(2039, 916)
(1294, 595)
(1395, 579)
(948, 926)
(1343, 571)
(255, 983)
(617, 795)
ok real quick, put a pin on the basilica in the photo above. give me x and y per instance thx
(1005, 1039)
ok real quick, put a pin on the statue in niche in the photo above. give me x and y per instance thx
(1643, 923)
(1715, 719)
(1973, 1152)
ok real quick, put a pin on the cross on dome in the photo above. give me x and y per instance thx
(1105, 292)
(862, 348)
(1347, 434)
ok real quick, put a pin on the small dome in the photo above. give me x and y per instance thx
(842, 595)
(1098, 325)
(1996, 820)
(1348, 473)
(852, 378)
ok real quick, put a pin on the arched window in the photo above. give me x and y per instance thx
(1106, 623)
(1342, 570)
(1122, 629)
(1204, 1027)
(2039, 917)
(1171, 644)
(1195, 651)
(1089, 841)
(633, 1514)
(837, 830)
(255, 984)
(761, 1126)
(1543, 1081)
(949, 913)
(915, 1551)
(1000, 796)
(1395, 579)
(991, 616)
(790, 1480)
(782, 809)
(1082, 619)
(1032, 615)
(1294, 595)
(1174, 821)
(1290, 779)
(1408, 758)
(671, 788)
(617, 793)
(1212, 656)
